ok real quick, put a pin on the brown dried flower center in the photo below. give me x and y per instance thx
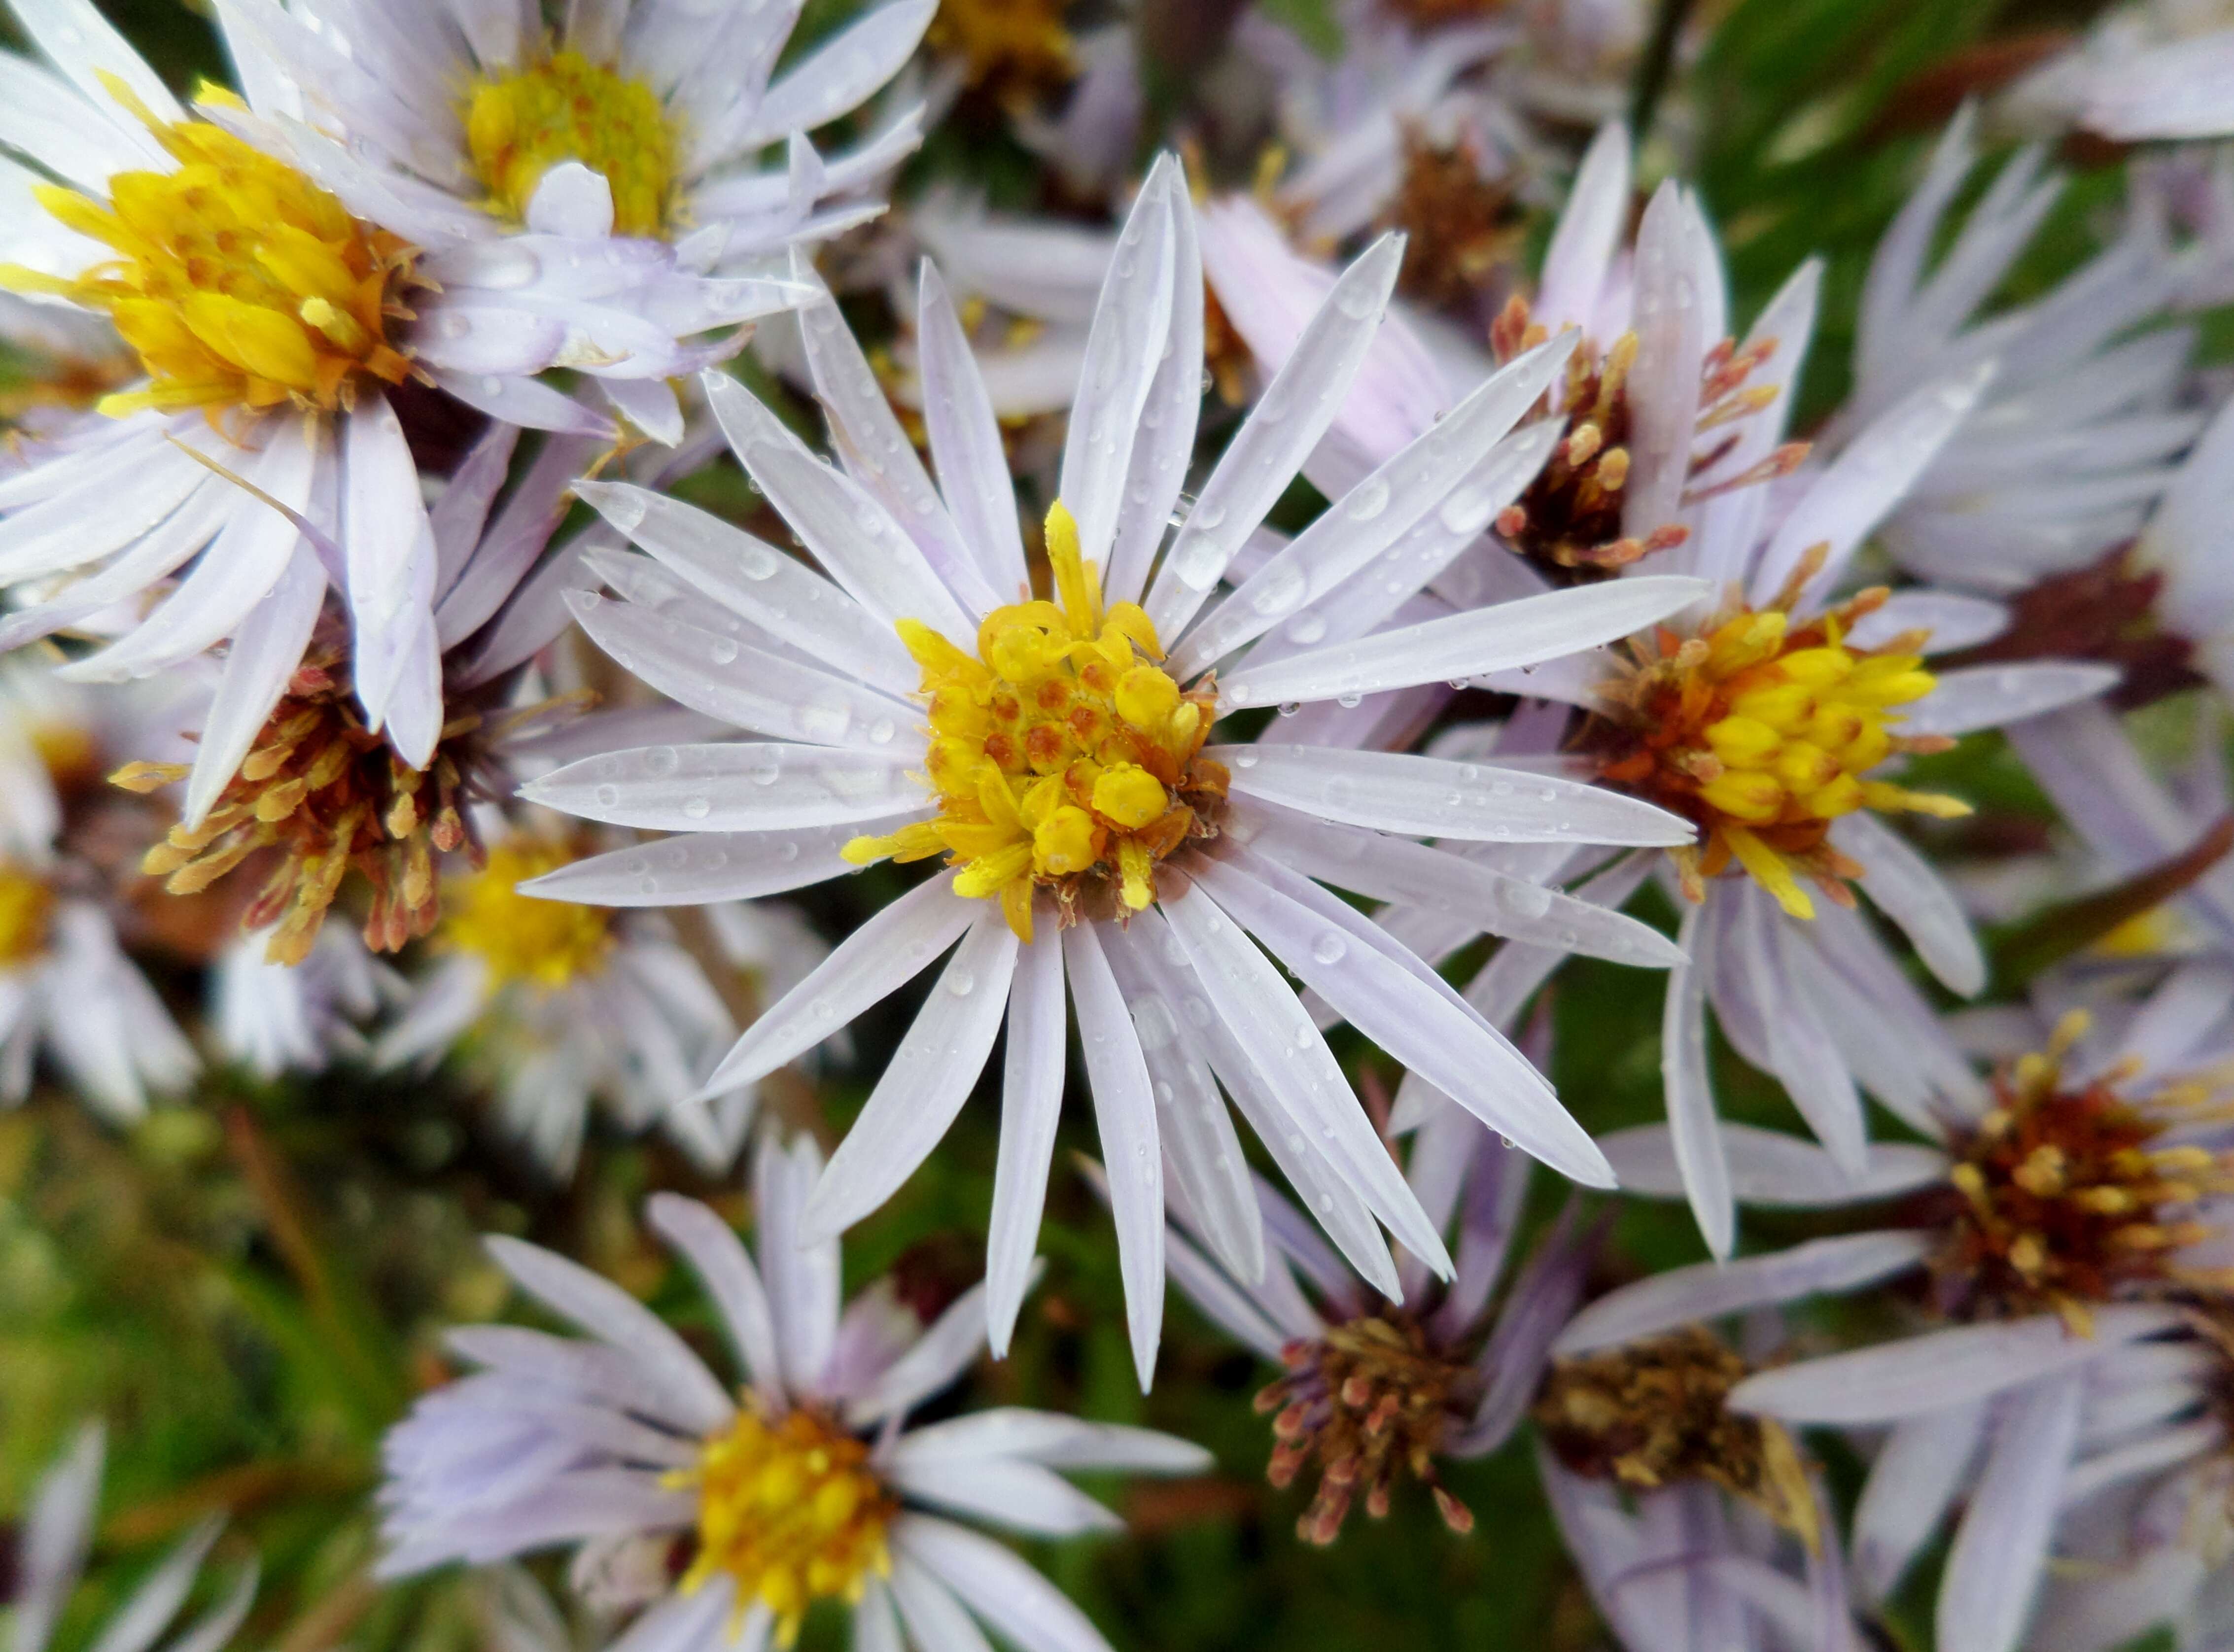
(1656, 1412)
(2070, 1196)
(1459, 226)
(326, 795)
(1369, 1400)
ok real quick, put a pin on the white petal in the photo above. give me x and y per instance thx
(1946, 1368)
(698, 868)
(1590, 229)
(892, 947)
(685, 1391)
(929, 1077)
(1767, 1168)
(266, 652)
(1664, 386)
(1920, 1470)
(1863, 484)
(1906, 890)
(1693, 1127)
(725, 1269)
(152, 1605)
(998, 1586)
(1987, 696)
(1125, 1110)
(837, 76)
(1031, 1106)
(780, 595)
(1270, 1027)
(936, 1620)
(1264, 454)
(1508, 637)
(1022, 1496)
(1132, 324)
(799, 1274)
(81, 43)
(1051, 1440)
(1165, 440)
(851, 536)
(1710, 1290)
(2001, 1548)
(56, 1535)
(745, 786)
(936, 1360)
(965, 440)
(1432, 797)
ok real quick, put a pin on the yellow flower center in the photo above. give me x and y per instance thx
(791, 1510)
(1062, 755)
(1013, 44)
(25, 904)
(1763, 733)
(548, 943)
(568, 109)
(238, 281)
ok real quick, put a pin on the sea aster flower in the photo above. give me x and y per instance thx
(592, 186)
(2059, 1228)
(563, 1004)
(2043, 491)
(1067, 772)
(50, 1549)
(1376, 1386)
(807, 1485)
(269, 294)
(1765, 719)
(1696, 1527)
(66, 986)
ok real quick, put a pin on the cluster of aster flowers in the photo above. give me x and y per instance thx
(560, 547)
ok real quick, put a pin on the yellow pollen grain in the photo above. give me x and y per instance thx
(1762, 732)
(1062, 755)
(547, 943)
(566, 108)
(26, 905)
(238, 281)
(791, 1512)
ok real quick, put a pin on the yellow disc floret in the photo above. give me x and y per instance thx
(1013, 45)
(790, 1510)
(566, 107)
(548, 943)
(239, 282)
(1763, 733)
(1062, 755)
(26, 902)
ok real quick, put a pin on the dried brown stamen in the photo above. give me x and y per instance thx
(1656, 1412)
(1461, 227)
(1369, 1400)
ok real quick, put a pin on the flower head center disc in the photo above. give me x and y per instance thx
(1655, 1412)
(791, 1512)
(2070, 1195)
(238, 281)
(1061, 755)
(26, 905)
(566, 108)
(547, 943)
(1762, 732)
(1370, 1401)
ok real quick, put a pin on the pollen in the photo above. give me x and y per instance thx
(566, 108)
(317, 796)
(26, 905)
(1762, 733)
(547, 943)
(790, 1510)
(2066, 1196)
(238, 281)
(1369, 1401)
(1655, 1413)
(1062, 755)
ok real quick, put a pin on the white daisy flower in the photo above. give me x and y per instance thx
(269, 301)
(1375, 1390)
(66, 987)
(50, 1551)
(574, 188)
(2076, 436)
(1767, 718)
(1068, 773)
(2059, 1227)
(749, 1505)
(562, 1005)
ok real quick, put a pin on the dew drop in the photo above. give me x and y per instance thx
(1329, 947)
(697, 807)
